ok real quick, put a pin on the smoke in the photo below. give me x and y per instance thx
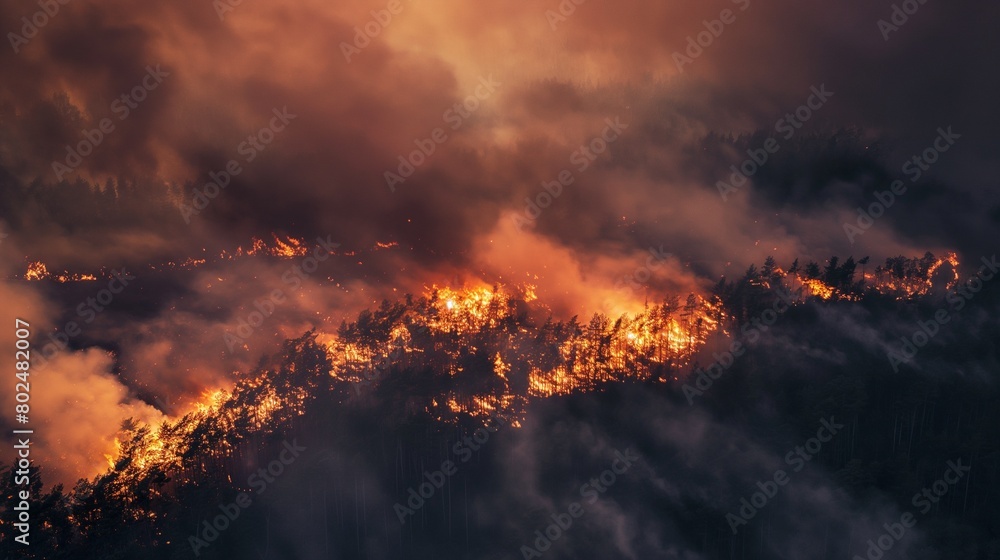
(453, 219)
(77, 403)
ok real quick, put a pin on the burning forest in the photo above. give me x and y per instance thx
(402, 280)
(452, 358)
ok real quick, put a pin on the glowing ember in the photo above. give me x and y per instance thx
(817, 288)
(284, 248)
(36, 271)
(910, 278)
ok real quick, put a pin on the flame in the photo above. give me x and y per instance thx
(284, 248)
(290, 248)
(36, 271)
(477, 335)
(211, 401)
(912, 278)
(817, 288)
(639, 346)
(901, 278)
(160, 446)
(500, 369)
(635, 346)
(497, 361)
(950, 259)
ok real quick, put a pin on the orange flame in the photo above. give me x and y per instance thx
(36, 271)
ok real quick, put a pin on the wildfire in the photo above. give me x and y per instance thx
(488, 353)
(211, 401)
(640, 346)
(900, 278)
(817, 288)
(253, 404)
(912, 278)
(449, 326)
(951, 259)
(468, 310)
(284, 248)
(38, 271)
(153, 448)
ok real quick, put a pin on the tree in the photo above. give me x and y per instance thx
(863, 262)
(830, 272)
(845, 276)
(812, 270)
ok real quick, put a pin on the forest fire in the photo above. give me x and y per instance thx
(817, 288)
(909, 278)
(280, 248)
(457, 356)
(643, 346)
(38, 271)
(251, 405)
(900, 277)
(285, 248)
(488, 354)
(479, 329)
